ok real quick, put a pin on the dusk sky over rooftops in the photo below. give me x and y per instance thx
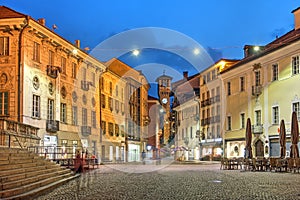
(220, 27)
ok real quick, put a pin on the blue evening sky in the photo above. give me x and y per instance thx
(222, 27)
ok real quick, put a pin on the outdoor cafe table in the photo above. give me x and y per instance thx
(281, 163)
(233, 163)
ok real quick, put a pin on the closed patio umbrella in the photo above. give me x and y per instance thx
(248, 139)
(294, 137)
(282, 139)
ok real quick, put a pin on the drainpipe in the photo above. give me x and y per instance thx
(20, 67)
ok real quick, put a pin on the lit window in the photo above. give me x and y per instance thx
(295, 65)
(103, 127)
(296, 109)
(36, 106)
(63, 65)
(258, 117)
(242, 120)
(94, 119)
(228, 123)
(50, 113)
(228, 88)
(63, 112)
(111, 129)
(84, 117)
(3, 103)
(51, 58)
(257, 78)
(36, 52)
(74, 70)
(275, 72)
(275, 115)
(242, 84)
(74, 115)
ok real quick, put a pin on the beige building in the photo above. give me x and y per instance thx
(49, 83)
(262, 87)
(187, 105)
(153, 127)
(127, 87)
(212, 110)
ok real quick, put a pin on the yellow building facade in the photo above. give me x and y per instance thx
(212, 111)
(262, 87)
(126, 92)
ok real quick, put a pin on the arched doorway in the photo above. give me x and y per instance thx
(259, 149)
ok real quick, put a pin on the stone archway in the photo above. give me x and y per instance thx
(259, 148)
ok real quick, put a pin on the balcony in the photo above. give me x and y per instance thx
(217, 119)
(203, 122)
(85, 85)
(256, 90)
(257, 129)
(52, 126)
(203, 104)
(217, 98)
(52, 71)
(212, 100)
(86, 130)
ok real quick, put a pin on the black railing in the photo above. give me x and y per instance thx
(86, 130)
(256, 90)
(85, 85)
(52, 71)
(52, 126)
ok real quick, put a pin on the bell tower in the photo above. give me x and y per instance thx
(164, 90)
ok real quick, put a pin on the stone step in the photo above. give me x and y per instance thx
(13, 150)
(10, 166)
(23, 173)
(10, 193)
(22, 170)
(27, 174)
(31, 179)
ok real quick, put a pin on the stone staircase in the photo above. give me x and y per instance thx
(24, 175)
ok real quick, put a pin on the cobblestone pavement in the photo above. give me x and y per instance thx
(177, 181)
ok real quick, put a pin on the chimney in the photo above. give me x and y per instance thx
(296, 13)
(185, 75)
(77, 43)
(42, 21)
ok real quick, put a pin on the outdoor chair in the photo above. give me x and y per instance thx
(247, 162)
(272, 164)
(297, 164)
(265, 164)
(281, 164)
(224, 163)
(253, 164)
(291, 164)
(259, 164)
(240, 162)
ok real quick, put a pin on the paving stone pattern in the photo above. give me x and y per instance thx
(178, 182)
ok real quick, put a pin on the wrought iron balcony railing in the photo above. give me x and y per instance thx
(86, 130)
(52, 126)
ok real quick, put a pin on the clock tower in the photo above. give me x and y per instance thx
(164, 90)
